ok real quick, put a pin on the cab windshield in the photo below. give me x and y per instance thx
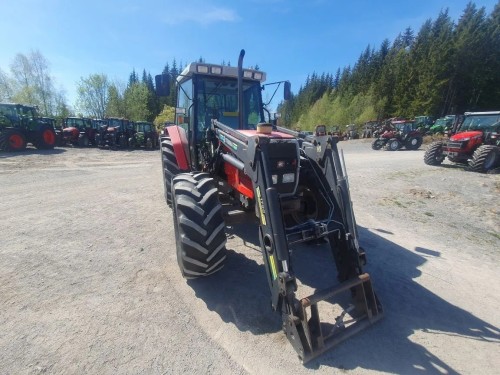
(79, 123)
(479, 122)
(217, 98)
(112, 122)
(143, 127)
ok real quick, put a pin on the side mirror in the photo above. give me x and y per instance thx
(162, 82)
(287, 94)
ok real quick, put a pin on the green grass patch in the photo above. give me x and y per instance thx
(495, 234)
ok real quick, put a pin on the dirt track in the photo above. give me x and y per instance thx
(89, 281)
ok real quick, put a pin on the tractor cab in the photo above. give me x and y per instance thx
(208, 93)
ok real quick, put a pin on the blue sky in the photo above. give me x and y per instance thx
(288, 39)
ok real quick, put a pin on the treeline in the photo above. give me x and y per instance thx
(30, 82)
(98, 97)
(446, 68)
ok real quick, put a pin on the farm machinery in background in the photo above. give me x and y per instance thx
(114, 132)
(78, 131)
(398, 134)
(20, 124)
(443, 125)
(476, 143)
(144, 135)
(296, 183)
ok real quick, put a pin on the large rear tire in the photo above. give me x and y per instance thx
(170, 167)
(198, 224)
(12, 140)
(434, 154)
(45, 138)
(485, 158)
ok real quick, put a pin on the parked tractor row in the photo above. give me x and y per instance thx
(21, 125)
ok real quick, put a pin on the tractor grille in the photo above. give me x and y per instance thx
(459, 144)
(283, 162)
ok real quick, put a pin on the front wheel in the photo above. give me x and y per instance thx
(377, 144)
(123, 141)
(170, 167)
(486, 157)
(393, 145)
(83, 141)
(198, 225)
(414, 143)
(434, 154)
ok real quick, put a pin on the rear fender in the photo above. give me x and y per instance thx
(181, 148)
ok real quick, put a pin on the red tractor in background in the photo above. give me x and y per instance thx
(475, 142)
(399, 134)
(79, 131)
(223, 144)
(114, 133)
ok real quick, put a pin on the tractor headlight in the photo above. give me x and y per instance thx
(202, 69)
(216, 70)
(275, 179)
(288, 177)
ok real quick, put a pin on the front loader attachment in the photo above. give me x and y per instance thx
(280, 167)
(311, 337)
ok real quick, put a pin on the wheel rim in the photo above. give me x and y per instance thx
(16, 141)
(394, 145)
(414, 142)
(48, 137)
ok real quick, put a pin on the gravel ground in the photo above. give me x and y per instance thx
(89, 282)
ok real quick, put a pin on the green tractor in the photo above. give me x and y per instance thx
(144, 135)
(20, 124)
(442, 125)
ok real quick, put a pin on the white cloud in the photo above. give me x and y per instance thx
(203, 15)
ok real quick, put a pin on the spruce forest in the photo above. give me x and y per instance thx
(446, 67)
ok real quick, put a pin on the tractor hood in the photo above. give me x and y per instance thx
(71, 130)
(273, 134)
(465, 135)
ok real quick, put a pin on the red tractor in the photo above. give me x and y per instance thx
(79, 131)
(399, 134)
(224, 144)
(476, 142)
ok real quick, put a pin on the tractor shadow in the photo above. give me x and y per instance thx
(240, 295)
(458, 167)
(31, 151)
